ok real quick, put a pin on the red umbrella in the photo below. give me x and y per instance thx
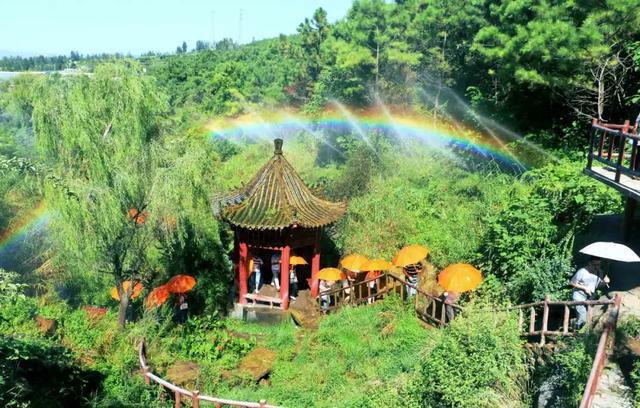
(158, 296)
(181, 283)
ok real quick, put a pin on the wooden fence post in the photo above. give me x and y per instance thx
(565, 320)
(145, 370)
(520, 319)
(263, 403)
(532, 320)
(196, 401)
(178, 399)
(545, 320)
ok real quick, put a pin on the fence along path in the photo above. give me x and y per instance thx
(429, 308)
(194, 396)
(432, 310)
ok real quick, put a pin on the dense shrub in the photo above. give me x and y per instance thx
(569, 369)
(477, 362)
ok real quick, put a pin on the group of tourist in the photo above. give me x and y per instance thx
(257, 279)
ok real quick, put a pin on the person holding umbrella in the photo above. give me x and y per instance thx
(585, 282)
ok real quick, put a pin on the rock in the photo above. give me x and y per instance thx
(46, 326)
(269, 290)
(258, 363)
(305, 311)
(548, 393)
(183, 373)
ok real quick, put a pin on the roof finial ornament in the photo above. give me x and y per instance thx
(278, 146)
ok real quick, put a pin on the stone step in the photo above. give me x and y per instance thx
(612, 392)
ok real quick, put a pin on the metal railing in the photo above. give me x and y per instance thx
(194, 396)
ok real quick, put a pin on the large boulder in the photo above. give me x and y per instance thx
(305, 311)
(257, 364)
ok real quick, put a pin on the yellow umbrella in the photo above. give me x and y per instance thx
(297, 260)
(330, 274)
(460, 278)
(411, 254)
(377, 265)
(354, 262)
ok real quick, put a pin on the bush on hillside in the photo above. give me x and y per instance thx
(477, 362)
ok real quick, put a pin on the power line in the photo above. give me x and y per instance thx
(240, 28)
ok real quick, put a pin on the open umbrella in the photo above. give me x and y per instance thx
(297, 260)
(411, 254)
(377, 265)
(354, 262)
(157, 296)
(331, 274)
(459, 278)
(137, 288)
(611, 250)
(181, 283)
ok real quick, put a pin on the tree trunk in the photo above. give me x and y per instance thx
(122, 312)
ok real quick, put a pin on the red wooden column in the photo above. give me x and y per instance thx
(315, 267)
(284, 276)
(243, 263)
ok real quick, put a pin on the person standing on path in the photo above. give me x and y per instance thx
(585, 282)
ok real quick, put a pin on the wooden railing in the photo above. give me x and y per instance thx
(600, 358)
(429, 308)
(194, 396)
(614, 146)
(551, 324)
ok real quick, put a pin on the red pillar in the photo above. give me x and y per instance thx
(315, 267)
(284, 277)
(243, 264)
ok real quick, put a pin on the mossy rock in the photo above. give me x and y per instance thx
(184, 373)
(258, 363)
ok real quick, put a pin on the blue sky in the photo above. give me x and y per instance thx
(31, 27)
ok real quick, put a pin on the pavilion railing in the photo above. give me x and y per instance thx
(194, 396)
(614, 146)
(429, 308)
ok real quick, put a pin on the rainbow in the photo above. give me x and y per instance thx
(406, 125)
(20, 227)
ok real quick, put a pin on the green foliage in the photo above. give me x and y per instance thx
(535, 229)
(478, 361)
(569, 369)
(206, 339)
(37, 373)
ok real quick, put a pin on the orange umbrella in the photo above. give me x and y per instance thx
(411, 254)
(158, 296)
(460, 278)
(137, 216)
(137, 288)
(181, 283)
(377, 265)
(331, 274)
(354, 262)
(297, 260)
(373, 274)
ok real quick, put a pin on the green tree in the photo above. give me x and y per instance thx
(98, 135)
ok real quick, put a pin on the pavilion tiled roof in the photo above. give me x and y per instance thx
(277, 198)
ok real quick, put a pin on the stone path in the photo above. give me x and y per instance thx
(612, 392)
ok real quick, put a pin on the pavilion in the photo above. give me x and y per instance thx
(277, 212)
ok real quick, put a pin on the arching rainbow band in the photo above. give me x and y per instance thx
(269, 125)
(29, 221)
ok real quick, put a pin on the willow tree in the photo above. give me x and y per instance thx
(98, 133)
